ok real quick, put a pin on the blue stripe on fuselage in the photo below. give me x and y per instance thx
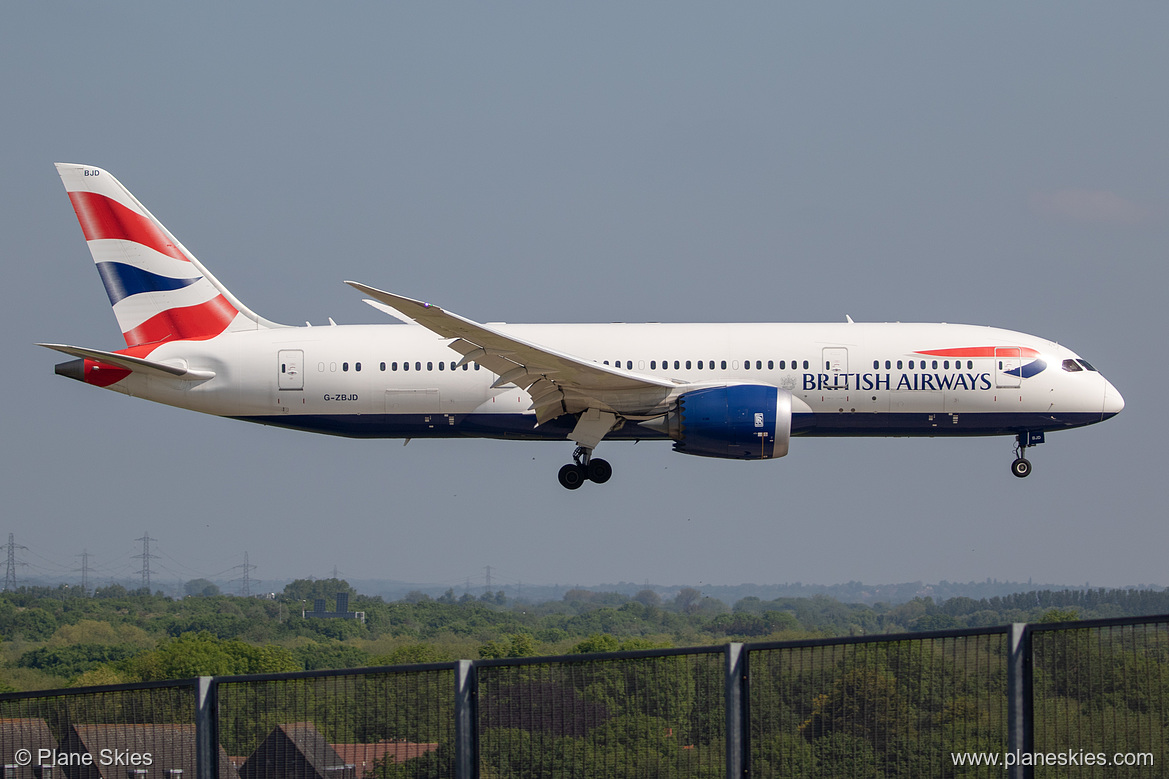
(523, 426)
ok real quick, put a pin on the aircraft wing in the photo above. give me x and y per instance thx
(559, 383)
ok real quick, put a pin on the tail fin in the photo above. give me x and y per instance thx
(159, 291)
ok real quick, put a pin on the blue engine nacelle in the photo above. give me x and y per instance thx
(742, 422)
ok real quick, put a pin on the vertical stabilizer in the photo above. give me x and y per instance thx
(159, 291)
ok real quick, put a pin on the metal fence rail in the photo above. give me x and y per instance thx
(882, 706)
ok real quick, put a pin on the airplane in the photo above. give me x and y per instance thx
(735, 391)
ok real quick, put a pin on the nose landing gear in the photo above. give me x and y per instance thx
(584, 467)
(1021, 467)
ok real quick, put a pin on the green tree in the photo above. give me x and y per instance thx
(200, 588)
(514, 645)
(202, 654)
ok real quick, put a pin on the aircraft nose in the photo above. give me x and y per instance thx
(1113, 402)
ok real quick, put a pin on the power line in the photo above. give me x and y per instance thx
(145, 557)
(84, 570)
(10, 573)
(245, 580)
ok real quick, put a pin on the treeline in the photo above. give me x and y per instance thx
(55, 637)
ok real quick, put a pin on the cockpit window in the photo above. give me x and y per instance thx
(1071, 366)
(1087, 365)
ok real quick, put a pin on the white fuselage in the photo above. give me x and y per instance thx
(845, 379)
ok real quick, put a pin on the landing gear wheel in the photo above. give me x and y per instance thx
(572, 476)
(599, 471)
(1021, 467)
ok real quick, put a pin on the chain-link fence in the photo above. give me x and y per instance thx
(345, 725)
(1100, 696)
(877, 707)
(632, 715)
(112, 724)
(1084, 699)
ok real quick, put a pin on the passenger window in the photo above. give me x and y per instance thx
(476, 366)
(746, 365)
(383, 366)
(629, 365)
(935, 365)
(405, 366)
(344, 366)
(899, 365)
(759, 365)
(771, 365)
(417, 366)
(606, 362)
(700, 365)
(724, 364)
(442, 366)
(805, 365)
(876, 364)
(282, 367)
(393, 366)
(465, 366)
(653, 365)
(970, 365)
(429, 366)
(357, 366)
(676, 365)
(1071, 366)
(783, 365)
(687, 365)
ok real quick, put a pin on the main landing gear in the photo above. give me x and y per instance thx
(1021, 467)
(584, 467)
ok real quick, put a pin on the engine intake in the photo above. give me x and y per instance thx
(741, 422)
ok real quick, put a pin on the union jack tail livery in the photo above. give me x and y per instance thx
(159, 291)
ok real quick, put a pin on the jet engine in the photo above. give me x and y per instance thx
(740, 422)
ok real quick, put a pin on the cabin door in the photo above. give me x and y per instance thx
(836, 366)
(291, 365)
(1007, 362)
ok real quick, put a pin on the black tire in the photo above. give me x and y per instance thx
(572, 476)
(599, 470)
(1021, 467)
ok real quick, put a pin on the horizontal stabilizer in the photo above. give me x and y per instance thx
(136, 364)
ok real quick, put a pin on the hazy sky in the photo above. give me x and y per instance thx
(1003, 165)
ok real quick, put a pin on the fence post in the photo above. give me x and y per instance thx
(466, 720)
(736, 722)
(1020, 725)
(206, 737)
